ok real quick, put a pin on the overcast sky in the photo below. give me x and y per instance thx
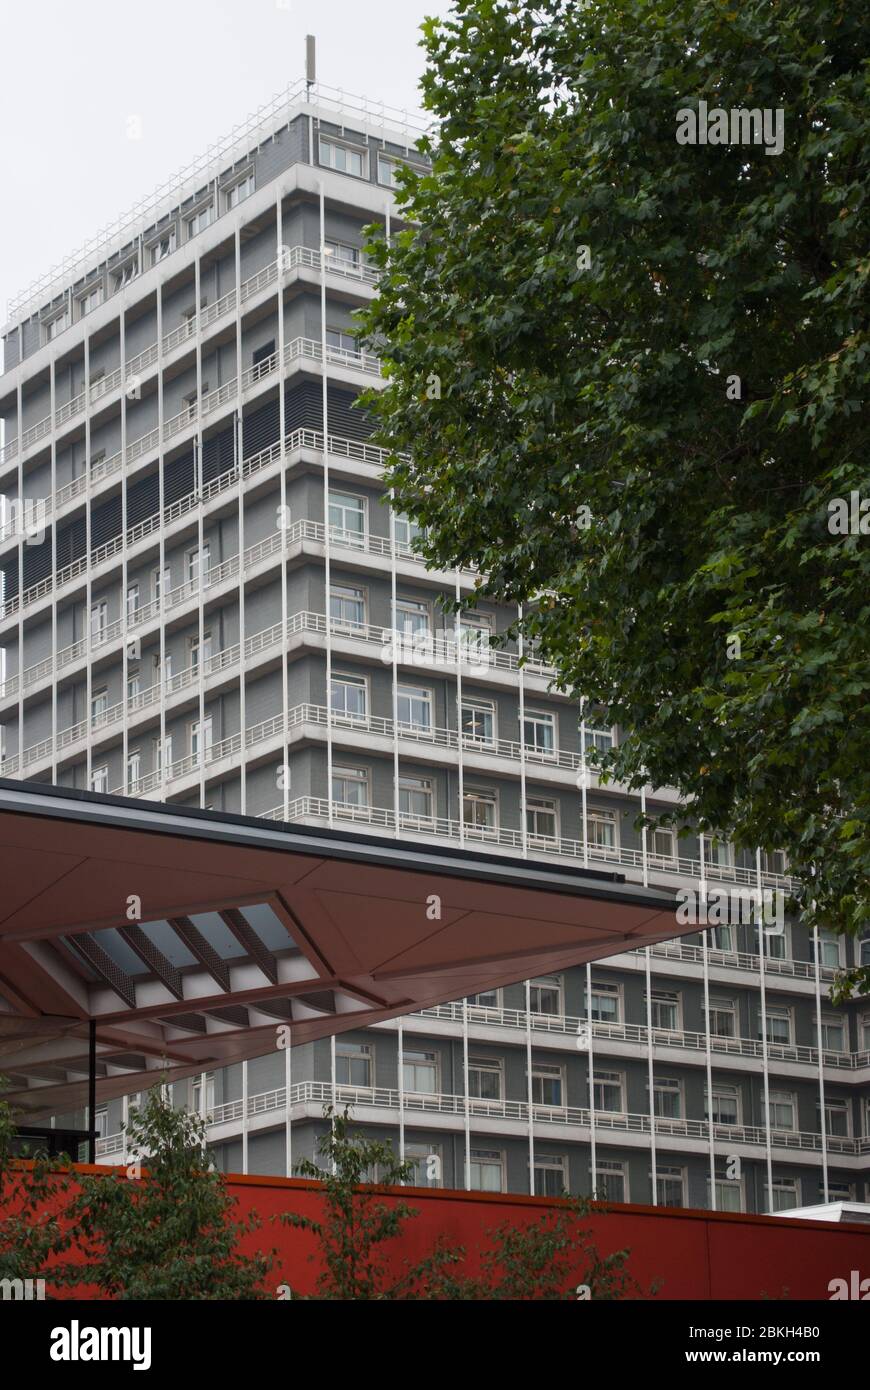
(74, 74)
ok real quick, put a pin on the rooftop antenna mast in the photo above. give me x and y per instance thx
(310, 73)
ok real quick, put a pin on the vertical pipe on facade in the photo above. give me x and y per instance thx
(584, 778)
(591, 1077)
(332, 1088)
(21, 667)
(529, 1089)
(282, 434)
(19, 626)
(89, 592)
(288, 1093)
(823, 1118)
(240, 456)
(244, 1117)
(125, 576)
(522, 693)
(327, 552)
(702, 913)
(401, 1089)
(161, 546)
(649, 1028)
(394, 625)
(465, 1104)
(764, 1047)
(460, 766)
(125, 1120)
(200, 543)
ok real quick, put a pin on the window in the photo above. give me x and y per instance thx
(539, 733)
(200, 650)
(100, 779)
(864, 951)
(414, 704)
(347, 518)
(344, 158)
(667, 1098)
(348, 697)
(412, 617)
(197, 1094)
(597, 740)
(405, 532)
(420, 1072)
(607, 1091)
(340, 340)
(778, 1018)
(387, 171)
(156, 581)
(123, 274)
(478, 722)
(664, 1010)
(341, 255)
(484, 1078)
(837, 1192)
(670, 1186)
(92, 299)
(722, 938)
(163, 754)
(163, 247)
(101, 1121)
(263, 360)
(664, 843)
(838, 1118)
(720, 852)
(601, 829)
(133, 683)
(487, 999)
(347, 606)
(551, 1175)
(200, 220)
(200, 737)
(479, 810)
(547, 1084)
(833, 1033)
(725, 1106)
(865, 1030)
(723, 1018)
(239, 191)
(132, 600)
(610, 1181)
(99, 704)
(415, 797)
(353, 1063)
(541, 819)
(350, 786)
(603, 1003)
(545, 996)
(198, 562)
(427, 1173)
(829, 950)
(775, 943)
(134, 767)
(729, 1194)
(99, 620)
(56, 325)
(782, 1110)
(784, 1195)
(774, 861)
(163, 669)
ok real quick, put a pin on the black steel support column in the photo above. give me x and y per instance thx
(92, 1090)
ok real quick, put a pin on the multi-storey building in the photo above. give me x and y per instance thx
(206, 598)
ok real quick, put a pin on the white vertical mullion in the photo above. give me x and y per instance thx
(245, 1116)
(125, 572)
(764, 1049)
(394, 665)
(20, 556)
(288, 1119)
(332, 1087)
(584, 778)
(240, 449)
(465, 1106)
(200, 567)
(823, 1122)
(327, 552)
(282, 432)
(709, 1057)
(89, 589)
(161, 548)
(529, 1102)
(401, 1089)
(522, 711)
(591, 1053)
(649, 1028)
(460, 765)
(54, 608)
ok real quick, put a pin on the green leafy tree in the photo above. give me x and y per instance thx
(33, 1194)
(625, 383)
(164, 1228)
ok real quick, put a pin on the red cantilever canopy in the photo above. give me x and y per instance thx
(192, 938)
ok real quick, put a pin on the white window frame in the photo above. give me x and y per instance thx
(487, 1066)
(723, 1090)
(784, 1098)
(196, 224)
(416, 694)
(545, 1072)
(100, 778)
(163, 245)
(481, 796)
(342, 681)
(486, 708)
(348, 624)
(239, 189)
(540, 719)
(354, 776)
(330, 143)
(553, 984)
(544, 806)
(607, 990)
(344, 534)
(601, 816)
(603, 1076)
(90, 300)
(610, 1168)
(419, 785)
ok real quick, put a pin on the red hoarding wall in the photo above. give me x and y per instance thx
(686, 1254)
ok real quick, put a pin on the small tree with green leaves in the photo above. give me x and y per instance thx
(33, 1190)
(168, 1230)
(357, 1224)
